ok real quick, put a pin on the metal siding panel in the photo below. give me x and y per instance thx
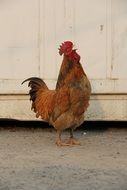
(56, 26)
(30, 37)
(91, 34)
(119, 53)
(19, 56)
(48, 39)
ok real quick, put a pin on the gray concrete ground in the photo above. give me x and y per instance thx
(29, 160)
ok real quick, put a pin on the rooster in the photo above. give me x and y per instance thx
(63, 107)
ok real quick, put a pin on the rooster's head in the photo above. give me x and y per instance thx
(66, 48)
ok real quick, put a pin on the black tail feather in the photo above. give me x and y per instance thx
(35, 84)
(34, 80)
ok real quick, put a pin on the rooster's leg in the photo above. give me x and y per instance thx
(72, 140)
(59, 141)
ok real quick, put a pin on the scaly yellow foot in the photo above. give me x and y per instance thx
(60, 143)
(73, 141)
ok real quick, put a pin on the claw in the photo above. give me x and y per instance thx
(60, 143)
(73, 141)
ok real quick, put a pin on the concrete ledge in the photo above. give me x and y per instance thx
(102, 107)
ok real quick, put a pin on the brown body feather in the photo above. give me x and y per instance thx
(70, 97)
(63, 107)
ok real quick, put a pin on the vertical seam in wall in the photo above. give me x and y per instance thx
(112, 40)
(55, 37)
(39, 36)
(109, 46)
(74, 11)
(42, 45)
(106, 51)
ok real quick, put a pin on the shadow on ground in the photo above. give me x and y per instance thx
(87, 125)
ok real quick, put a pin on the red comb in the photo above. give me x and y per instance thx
(66, 47)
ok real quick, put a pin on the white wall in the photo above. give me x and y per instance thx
(32, 30)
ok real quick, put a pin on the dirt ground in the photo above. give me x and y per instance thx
(29, 160)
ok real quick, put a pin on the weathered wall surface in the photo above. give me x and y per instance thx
(31, 32)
